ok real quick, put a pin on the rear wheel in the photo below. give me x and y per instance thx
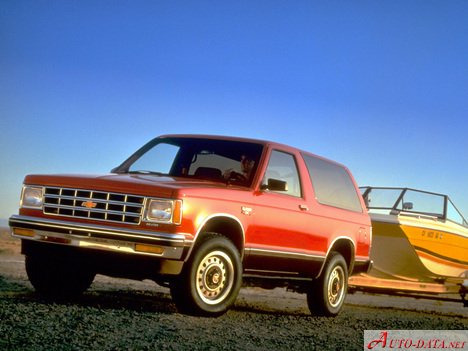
(326, 295)
(58, 278)
(211, 279)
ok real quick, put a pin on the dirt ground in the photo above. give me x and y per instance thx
(121, 314)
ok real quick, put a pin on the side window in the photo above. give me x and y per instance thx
(332, 184)
(282, 166)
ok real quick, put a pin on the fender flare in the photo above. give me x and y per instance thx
(349, 257)
(240, 244)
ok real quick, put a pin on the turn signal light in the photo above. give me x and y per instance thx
(149, 249)
(23, 232)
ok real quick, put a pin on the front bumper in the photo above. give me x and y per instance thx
(119, 240)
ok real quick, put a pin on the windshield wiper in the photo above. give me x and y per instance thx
(142, 171)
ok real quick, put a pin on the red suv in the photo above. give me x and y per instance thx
(200, 215)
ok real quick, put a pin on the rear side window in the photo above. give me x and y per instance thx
(332, 184)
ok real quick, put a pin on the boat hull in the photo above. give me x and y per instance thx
(419, 248)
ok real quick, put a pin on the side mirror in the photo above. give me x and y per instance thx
(275, 185)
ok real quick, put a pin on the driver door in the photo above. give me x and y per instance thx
(278, 240)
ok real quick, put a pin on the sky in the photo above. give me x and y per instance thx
(380, 86)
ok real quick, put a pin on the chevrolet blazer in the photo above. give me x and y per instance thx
(201, 215)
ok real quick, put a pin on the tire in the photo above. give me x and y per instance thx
(58, 279)
(210, 280)
(327, 295)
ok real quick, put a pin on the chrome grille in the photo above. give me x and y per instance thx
(97, 205)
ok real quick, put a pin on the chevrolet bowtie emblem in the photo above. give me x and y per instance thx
(89, 204)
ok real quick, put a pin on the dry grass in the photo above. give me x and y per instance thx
(8, 245)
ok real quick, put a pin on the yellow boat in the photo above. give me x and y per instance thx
(419, 243)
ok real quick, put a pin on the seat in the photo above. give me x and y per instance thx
(208, 173)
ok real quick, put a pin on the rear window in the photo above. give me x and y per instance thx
(332, 184)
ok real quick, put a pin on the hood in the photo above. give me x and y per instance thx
(138, 184)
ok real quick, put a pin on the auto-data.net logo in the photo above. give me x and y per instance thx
(415, 340)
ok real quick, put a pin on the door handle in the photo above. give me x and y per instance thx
(304, 207)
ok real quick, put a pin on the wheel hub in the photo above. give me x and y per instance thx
(214, 277)
(336, 287)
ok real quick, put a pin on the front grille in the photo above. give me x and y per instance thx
(97, 205)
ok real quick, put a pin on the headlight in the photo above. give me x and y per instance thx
(32, 197)
(164, 211)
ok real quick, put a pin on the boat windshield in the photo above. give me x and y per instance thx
(411, 201)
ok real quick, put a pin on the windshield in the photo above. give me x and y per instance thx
(209, 159)
(408, 201)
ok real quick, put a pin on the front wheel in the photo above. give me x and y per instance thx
(211, 279)
(326, 295)
(58, 279)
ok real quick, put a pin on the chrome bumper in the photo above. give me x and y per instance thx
(163, 245)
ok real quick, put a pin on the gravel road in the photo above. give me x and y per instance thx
(118, 314)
